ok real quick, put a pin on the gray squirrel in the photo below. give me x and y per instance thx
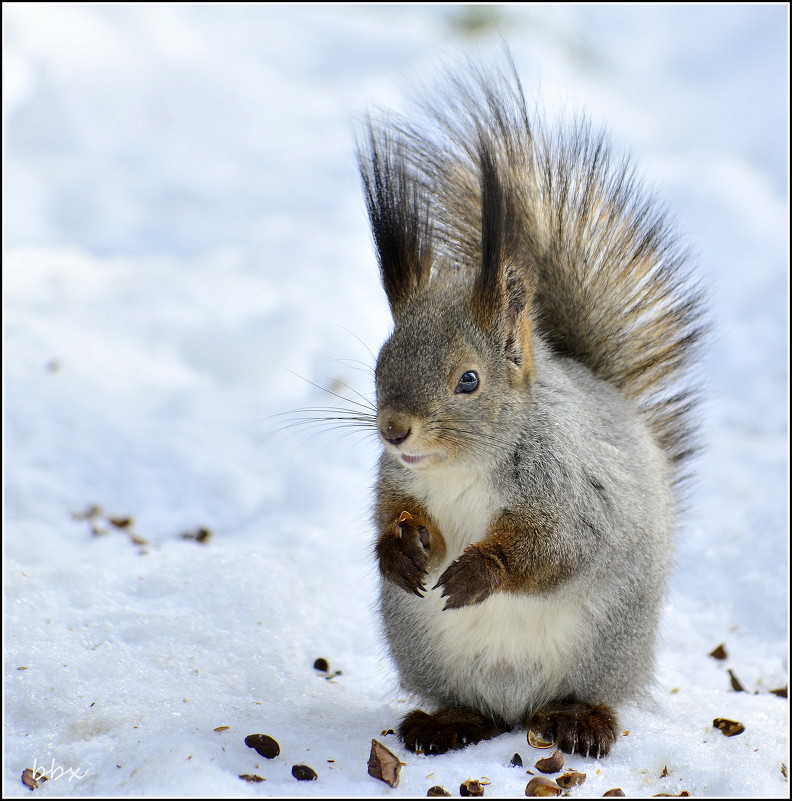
(536, 409)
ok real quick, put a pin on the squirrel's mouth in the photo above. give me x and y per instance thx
(411, 460)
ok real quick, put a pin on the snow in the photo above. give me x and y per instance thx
(184, 238)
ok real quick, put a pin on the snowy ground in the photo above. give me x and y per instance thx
(183, 228)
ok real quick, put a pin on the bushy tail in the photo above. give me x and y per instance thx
(612, 284)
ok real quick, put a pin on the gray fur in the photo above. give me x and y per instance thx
(567, 293)
(584, 458)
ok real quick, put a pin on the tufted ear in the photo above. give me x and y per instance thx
(504, 287)
(399, 217)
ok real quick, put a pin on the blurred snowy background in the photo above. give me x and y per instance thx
(183, 229)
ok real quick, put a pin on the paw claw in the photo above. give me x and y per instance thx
(402, 555)
(578, 727)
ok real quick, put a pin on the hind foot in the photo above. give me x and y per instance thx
(446, 730)
(577, 727)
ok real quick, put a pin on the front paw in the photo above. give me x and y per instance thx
(402, 553)
(470, 579)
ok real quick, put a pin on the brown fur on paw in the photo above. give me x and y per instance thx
(448, 729)
(470, 579)
(578, 727)
(402, 553)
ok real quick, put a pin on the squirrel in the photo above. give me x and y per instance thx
(536, 412)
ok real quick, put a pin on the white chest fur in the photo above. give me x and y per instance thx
(512, 651)
(461, 502)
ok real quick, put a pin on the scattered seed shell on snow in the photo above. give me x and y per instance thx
(263, 744)
(221, 728)
(683, 794)
(736, 684)
(728, 727)
(664, 772)
(535, 741)
(383, 764)
(472, 787)
(303, 773)
(616, 792)
(322, 664)
(781, 692)
(551, 764)
(251, 777)
(541, 786)
(719, 652)
(31, 780)
(437, 792)
(94, 510)
(516, 761)
(571, 779)
(202, 535)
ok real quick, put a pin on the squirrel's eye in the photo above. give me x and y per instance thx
(467, 383)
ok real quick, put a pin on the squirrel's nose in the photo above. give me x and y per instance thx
(395, 433)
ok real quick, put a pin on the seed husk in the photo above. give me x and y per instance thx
(94, 510)
(322, 664)
(542, 786)
(263, 744)
(729, 727)
(251, 777)
(304, 773)
(31, 780)
(202, 535)
(616, 792)
(472, 787)
(551, 764)
(437, 792)
(536, 741)
(571, 779)
(719, 652)
(516, 761)
(383, 764)
(736, 685)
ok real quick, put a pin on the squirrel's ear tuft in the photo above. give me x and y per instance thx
(399, 217)
(504, 287)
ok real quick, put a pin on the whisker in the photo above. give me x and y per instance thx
(330, 430)
(363, 367)
(476, 442)
(327, 422)
(450, 426)
(327, 410)
(324, 389)
(365, 400)
(352, 333)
